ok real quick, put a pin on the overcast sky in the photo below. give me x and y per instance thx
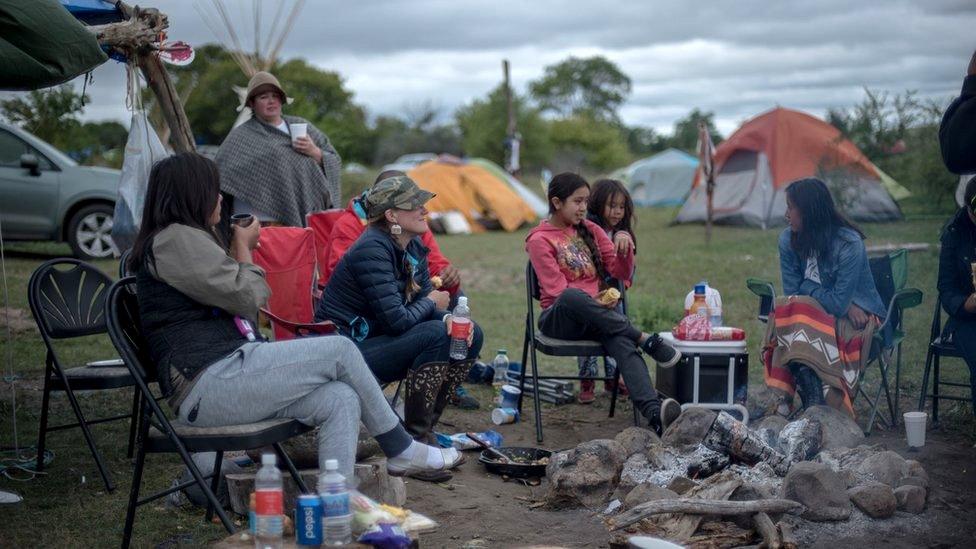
(735, 58)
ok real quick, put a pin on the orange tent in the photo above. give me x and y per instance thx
(480, 197)
(775, 148)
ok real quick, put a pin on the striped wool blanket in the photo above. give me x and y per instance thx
(800, 330)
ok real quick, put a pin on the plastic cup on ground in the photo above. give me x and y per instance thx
(510, 396)
(501, 416)
(297, 130)
(915, 428)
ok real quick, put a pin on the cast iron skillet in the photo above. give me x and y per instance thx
(515, 469)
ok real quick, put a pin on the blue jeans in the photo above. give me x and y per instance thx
(390, 357)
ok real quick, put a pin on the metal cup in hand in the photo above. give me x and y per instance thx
(242, 220)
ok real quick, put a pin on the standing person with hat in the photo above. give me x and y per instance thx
(267, 173)
(380, 295)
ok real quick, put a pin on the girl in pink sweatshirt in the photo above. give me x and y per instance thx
(574, 260)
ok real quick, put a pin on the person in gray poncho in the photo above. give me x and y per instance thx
(269, 175)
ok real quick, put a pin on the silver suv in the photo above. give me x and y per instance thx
(44, 195)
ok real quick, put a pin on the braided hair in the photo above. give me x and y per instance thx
(562, 186)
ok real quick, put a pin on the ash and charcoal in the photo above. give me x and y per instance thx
(815, 461)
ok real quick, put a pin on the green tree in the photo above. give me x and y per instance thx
(594, 87)
(51, 114)
(418, 130)
(685, 136)
(583, 142)
(644, 141)
(483, 124)
(899, 133)
(877, 123)
(322, 99)
(207, 88)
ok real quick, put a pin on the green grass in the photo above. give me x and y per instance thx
(60, 510)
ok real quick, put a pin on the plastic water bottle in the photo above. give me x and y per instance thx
(460, 329)
(269, 505)
(500, 364)
(336, 520)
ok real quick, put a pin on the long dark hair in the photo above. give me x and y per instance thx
(562, 186)
(601, 195)
(183, 189)
(819, 218)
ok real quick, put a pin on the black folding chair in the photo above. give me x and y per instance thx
(557, 347)
(890, 274)
(67, 298)
(123, 264)
(157, 434)
(941, 344)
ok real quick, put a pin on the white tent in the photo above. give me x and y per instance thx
(660, 180)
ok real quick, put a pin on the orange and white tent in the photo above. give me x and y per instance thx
(483, 199)
(756, 163)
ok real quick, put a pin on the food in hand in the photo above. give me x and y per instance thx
(437, 282)
(608, 296)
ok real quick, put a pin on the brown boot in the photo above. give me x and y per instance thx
(422, 387)
(456, 373)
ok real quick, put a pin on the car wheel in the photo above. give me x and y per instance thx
(90, 232)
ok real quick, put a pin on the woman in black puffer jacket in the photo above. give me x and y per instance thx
(380, 295)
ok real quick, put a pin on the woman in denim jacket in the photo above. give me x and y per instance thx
(822, 255)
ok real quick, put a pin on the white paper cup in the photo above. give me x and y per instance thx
(915, 428)
(298, 130)
(501, 416)
(510, 396)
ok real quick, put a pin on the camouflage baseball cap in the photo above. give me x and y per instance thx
(395, 192)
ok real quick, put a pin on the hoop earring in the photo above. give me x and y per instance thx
(396, 229)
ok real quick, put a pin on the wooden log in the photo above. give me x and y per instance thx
(703, 507)
(786, 535)
(181, 138)
(715, 488)
(766, 528)
(719, 534)
(137, 37)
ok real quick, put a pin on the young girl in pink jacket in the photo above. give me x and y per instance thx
(574, 260)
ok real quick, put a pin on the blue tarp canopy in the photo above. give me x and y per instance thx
(93, 12)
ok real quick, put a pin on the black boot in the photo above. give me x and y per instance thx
(808, 384)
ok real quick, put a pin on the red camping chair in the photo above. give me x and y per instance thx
(287, 255)
(321, 224)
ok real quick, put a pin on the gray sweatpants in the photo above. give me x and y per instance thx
(320, 381)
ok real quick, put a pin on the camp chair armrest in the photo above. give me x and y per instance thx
(761, 287)
(906, 298)
(301, 328)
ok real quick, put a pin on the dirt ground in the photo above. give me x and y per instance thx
(477, 509)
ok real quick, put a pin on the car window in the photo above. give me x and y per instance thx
(11, 147)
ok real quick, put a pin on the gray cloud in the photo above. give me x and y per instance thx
(735, 58)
